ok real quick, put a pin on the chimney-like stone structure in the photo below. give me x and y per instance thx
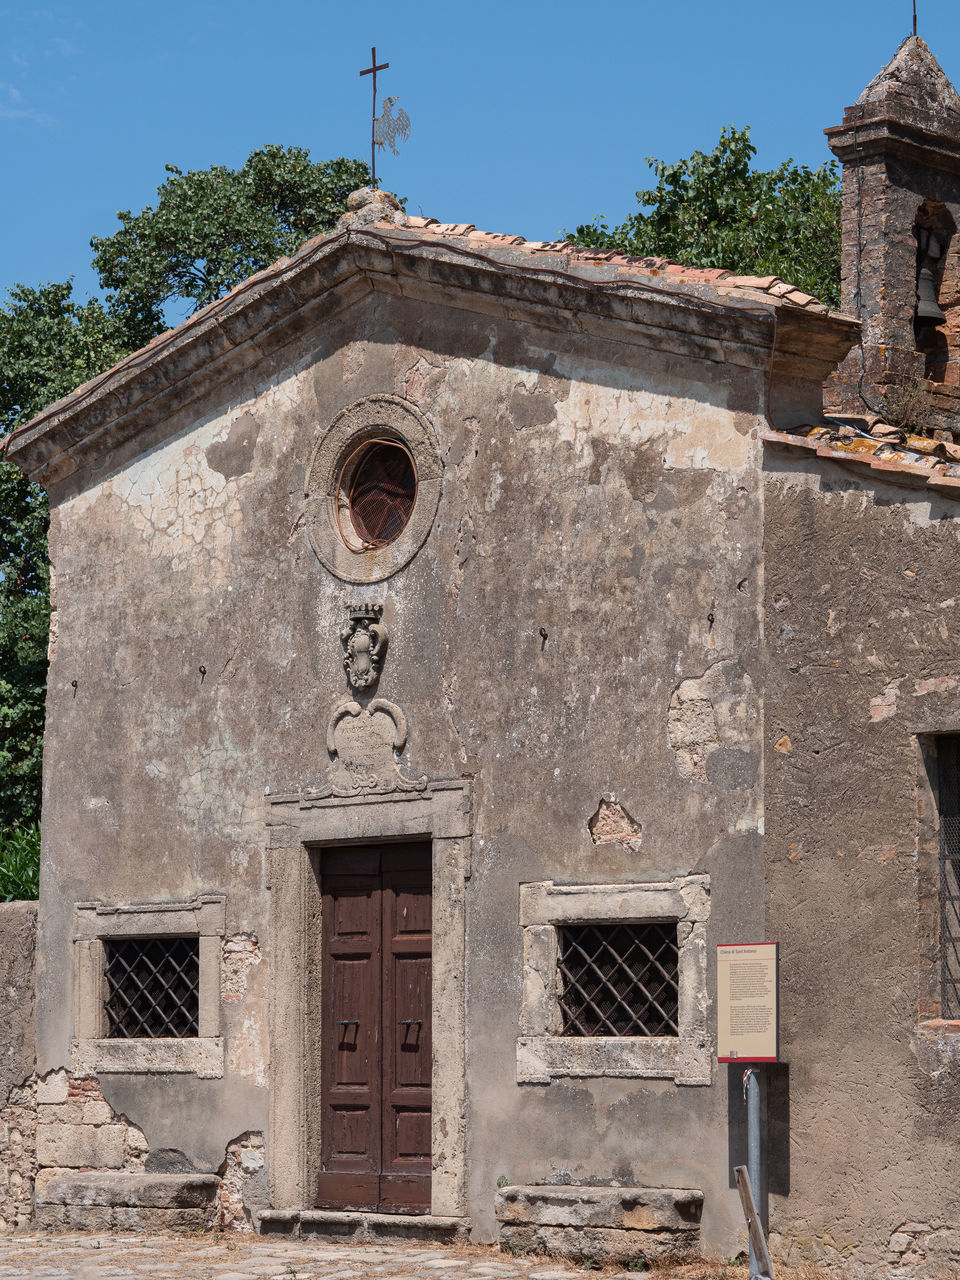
(900, 150)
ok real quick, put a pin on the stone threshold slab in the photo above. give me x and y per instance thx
(361, 1227)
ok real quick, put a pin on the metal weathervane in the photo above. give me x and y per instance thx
(387, 127)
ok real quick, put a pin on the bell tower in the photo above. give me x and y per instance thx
(900, 150)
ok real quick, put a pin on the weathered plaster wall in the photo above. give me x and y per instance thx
(582, 624)
(862, 618)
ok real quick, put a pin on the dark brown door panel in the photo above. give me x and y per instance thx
(376, 1051)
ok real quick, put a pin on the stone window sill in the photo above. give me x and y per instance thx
(200, 1056)
(543, 1058)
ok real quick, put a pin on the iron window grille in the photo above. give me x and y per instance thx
(153, 987)
(948, 770)
(619, 979)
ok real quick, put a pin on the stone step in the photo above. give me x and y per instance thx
(95, 1201)
(362, 1228)
(601, 1222)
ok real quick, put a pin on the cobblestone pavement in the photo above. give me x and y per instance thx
(119, 1257)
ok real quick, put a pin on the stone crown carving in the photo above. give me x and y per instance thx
(365, 644)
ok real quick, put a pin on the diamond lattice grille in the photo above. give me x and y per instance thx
(619, 979)
(153, 987)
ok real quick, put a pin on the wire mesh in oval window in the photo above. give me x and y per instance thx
(382, 494)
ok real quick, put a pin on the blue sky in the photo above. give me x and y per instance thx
(527, 117)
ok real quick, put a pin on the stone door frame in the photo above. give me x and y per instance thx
(298, 825)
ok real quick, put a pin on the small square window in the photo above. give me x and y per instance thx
(615, 981)
(619, 979)
(153, 987)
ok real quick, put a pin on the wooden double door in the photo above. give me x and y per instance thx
(376, 1059)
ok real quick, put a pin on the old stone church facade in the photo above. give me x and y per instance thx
(455, 638)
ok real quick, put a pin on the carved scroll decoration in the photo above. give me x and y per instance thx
(364, 745)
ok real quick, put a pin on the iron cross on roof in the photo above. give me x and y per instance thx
(385, 129)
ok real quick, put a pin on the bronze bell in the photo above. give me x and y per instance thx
(928, 308)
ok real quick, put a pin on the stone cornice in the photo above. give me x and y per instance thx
(877, 137)
(273, 309)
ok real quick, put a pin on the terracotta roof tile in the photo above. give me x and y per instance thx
(934, 468)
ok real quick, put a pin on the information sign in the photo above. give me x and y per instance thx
(748, 1016)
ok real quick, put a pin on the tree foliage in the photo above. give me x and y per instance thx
(209, 230)
(716, 211)
(24, 620)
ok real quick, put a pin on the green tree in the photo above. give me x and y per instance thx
(209, 230)
(716, 211)
(48, 344)
(24, 620)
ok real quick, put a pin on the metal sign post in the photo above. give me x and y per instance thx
(751, 1096)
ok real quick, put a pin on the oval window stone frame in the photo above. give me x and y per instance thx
(384, 417)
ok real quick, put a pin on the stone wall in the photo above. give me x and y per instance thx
(78, 1129)
(18, 1098)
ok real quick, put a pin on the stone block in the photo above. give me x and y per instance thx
(131, 1190)
(79, 1146)
(53, 1088)
(95, 1113)
(618, 1223)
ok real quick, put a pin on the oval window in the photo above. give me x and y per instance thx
(382, 491)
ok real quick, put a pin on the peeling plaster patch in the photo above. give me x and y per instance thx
(241, 952)
(242, 1185)
(884, 704)
(934, 684)
(493, 497)
(783, 745)
(246, 1055)
(612, 824)
(704, 437)
(239, 858)
(693, 730)
(184, 508)
(422, 379)
(233, 456)
(352, 360)
(711, 713)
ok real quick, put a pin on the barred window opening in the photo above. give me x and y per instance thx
(948, 769)
(619, 979)
(153, 987)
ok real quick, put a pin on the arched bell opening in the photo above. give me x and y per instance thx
(933, 231)
(936, 314)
